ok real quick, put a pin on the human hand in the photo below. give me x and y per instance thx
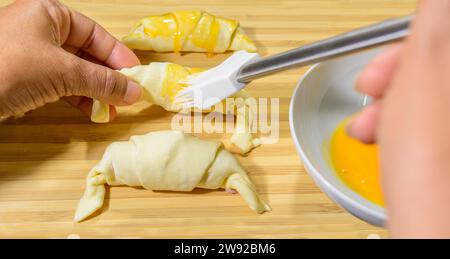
(48, 52)
(409, 120)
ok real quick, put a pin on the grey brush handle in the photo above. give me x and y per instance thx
(367, 37)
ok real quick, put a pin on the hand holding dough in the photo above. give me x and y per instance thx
(192, 31)
(167, 160)
(162, 81)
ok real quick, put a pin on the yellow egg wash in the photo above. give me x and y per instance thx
(176, 79)
(206, 33)
(160, 26)
(356, 164)
(186, 22)
(180, 24)
(188, 31)
(246, 38)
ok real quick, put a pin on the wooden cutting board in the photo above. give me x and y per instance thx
(45, 156)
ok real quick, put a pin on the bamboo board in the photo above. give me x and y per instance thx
(45, 156)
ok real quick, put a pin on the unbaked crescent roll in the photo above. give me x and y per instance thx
(188, 31)
(167, 160)
(162, 81)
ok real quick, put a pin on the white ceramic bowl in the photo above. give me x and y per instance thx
(323, 98)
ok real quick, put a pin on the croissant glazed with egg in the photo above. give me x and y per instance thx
(188, 31)
(167, 160)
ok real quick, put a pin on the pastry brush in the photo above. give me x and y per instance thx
(228, 78)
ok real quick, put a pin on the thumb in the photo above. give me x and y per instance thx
(101, 83)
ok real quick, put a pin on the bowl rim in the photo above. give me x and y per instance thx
(351, 205)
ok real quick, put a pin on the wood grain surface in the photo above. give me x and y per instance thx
(45, 156)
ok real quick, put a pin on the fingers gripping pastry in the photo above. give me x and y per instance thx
(188, 31)
(162, 81)
(167, 160)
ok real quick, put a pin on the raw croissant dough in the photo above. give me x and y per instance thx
(161, 83)
(167, 160)
(193, 31)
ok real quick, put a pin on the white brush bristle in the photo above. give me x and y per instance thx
(216, 84)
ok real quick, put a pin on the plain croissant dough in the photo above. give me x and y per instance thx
(161, 83)
(189, 31)
(167, 160)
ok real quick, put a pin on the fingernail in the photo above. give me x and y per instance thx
(349, 128)
(133, 93)
(357, 84)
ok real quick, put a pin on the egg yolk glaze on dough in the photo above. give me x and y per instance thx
(356, 164)
(167, 160)
(188, 31)
(161, 82)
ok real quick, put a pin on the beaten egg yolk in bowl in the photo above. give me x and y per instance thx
(356, 164)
